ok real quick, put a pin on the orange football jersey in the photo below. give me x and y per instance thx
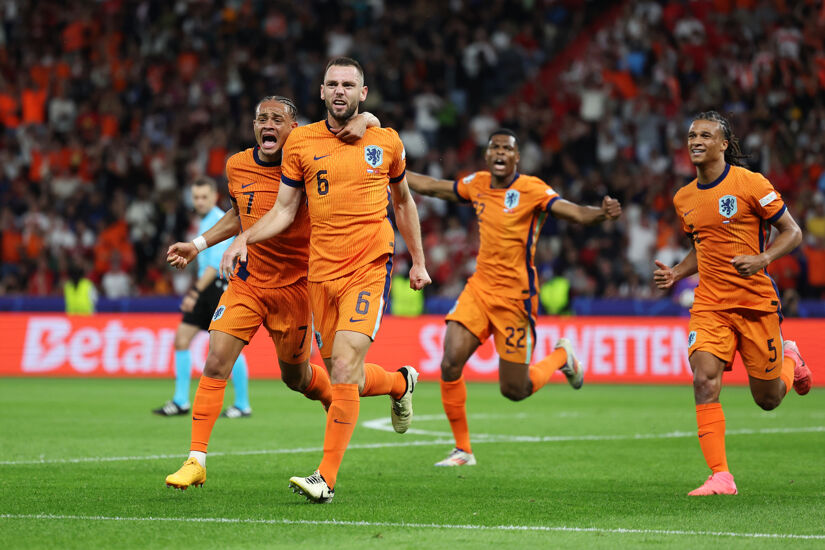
(347, 189)
(725, 218)
(509, 222)
(253, 186)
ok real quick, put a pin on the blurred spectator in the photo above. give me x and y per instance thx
(116, 282)
(79, 292)
(100, 124)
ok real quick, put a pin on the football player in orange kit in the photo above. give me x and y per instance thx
(345, 186)
(501, 297)
(726, 212)
(269, 288)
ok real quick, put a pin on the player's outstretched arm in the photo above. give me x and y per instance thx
(356, 127)
(426, 185)
(272, 223)
(566, 210)
(180, 254)
(406, 218)
(665, 276)
(789, 237)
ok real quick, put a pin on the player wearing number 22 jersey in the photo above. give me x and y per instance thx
(501, 297)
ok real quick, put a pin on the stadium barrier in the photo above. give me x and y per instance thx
(614, 349)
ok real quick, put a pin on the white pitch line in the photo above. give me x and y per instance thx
(488, 438)
(404, 525)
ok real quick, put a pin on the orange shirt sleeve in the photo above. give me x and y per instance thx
(398, 167)
(767, 202)
(292, 170)
(463, 187)
(546, 195)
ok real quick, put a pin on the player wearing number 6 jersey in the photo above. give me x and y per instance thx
(501, 297)
(350, 260)
(268, 288)
(727, 212)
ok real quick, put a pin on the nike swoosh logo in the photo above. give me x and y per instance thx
(351, 320)
(339, 422)
(247, 185)
(322, 156)
(296, 355)
(770, 369)
(704, 434)
(688, 212)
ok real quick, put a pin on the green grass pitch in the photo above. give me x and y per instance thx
(83, 462)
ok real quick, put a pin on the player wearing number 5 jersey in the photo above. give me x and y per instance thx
(350, 260)
(269, 288)
(727, 212)
(501, 297)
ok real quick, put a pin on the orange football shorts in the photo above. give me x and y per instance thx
(510, 321)
(354, 302)
(755, 334)
(284, 311)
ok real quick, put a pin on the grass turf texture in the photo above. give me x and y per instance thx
(561, 469)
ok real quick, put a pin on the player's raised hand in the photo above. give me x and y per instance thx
(180, 254)
(748, 265)
(353, 130)
(237, 250)
(419, 278)
(664, 276)
(611, 207)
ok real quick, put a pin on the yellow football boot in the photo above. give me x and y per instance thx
(191, 473)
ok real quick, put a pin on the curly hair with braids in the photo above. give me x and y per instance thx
(733, 154)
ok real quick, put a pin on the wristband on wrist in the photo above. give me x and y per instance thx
(200, 243)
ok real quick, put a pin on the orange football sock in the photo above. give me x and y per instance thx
(319, 388)
(205, 411)
(377, 381)
(786, 374)
(341, 420)
(711, 422)
(541, 372)
(454, 400)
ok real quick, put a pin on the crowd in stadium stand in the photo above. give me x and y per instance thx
(109, 109)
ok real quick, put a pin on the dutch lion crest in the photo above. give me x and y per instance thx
(511, 198)
(374, 155)
(727, 206)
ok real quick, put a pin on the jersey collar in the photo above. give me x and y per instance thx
(260, 162)
(717, 181)
(512, 181)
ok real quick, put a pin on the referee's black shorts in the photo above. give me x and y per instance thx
(201, 314)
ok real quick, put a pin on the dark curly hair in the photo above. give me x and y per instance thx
(733, 154)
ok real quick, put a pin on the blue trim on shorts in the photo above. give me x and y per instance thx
(528, 263)
(528, 308)
(387, 282)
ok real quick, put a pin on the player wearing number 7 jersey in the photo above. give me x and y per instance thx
(269, 288)
(350, 258)
(501, 297)
(727, 212)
